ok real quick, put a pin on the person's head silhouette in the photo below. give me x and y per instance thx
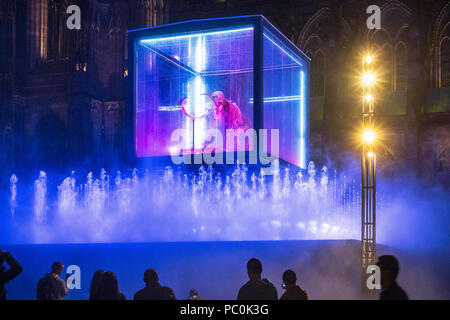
(389, 268)
(289, 279)
(254, 269)
(109, 287)
(57, 268)
(95, 284)
(151, 277)
(193, 295)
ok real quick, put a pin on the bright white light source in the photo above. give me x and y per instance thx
(368, 136)
(369, 79)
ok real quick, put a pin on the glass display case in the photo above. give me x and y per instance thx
(203, 76)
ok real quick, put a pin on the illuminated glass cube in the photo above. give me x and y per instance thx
(228, 73)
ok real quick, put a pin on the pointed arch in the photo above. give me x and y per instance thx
(442, 22)
(381, 37)
(385, 74)
(314, 43)
(318, 74)
(307, 29)
(401, 34)
(400, 64)
(395, 4)
(388, 8)
(440, 31)
(346, 28)
(444, 54)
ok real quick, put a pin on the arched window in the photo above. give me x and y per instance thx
(386, 68)
(400, 67)
(309, 54)
(317, 75)
(445, 62)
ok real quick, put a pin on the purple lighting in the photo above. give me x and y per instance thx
(178, 68)
(179, 73)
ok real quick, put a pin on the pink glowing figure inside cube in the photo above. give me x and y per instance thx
(223, 110)
(228, 112)
(223, 115)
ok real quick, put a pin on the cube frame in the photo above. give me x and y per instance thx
(259, 23)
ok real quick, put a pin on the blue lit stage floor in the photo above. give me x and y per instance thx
(326, 269)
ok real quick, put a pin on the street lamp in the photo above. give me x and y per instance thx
(368, 173)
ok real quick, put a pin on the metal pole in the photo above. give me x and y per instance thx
(368, 180)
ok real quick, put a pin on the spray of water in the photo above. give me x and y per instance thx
(13, 198)
(181, 206)
(40, 196)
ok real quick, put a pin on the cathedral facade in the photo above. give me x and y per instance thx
(63, 92)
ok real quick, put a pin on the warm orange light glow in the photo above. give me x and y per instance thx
(370, 154)
(368, 136)
(368, 97)
(368, 59)
(369, 79)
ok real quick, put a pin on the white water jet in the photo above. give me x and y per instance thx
(13, 188)
(67, 194)
(182, 206)
(40, 196)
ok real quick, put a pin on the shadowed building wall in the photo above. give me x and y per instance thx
(77, 77)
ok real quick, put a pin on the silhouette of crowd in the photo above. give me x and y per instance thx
(104, 284)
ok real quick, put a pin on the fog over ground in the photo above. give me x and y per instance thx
(413, 223)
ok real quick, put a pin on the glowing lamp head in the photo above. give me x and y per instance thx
(370, 154)
(369, 136)
(368, 97)
(368, 59)
(369, 79)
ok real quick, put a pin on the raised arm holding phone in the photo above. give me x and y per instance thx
(7, 275)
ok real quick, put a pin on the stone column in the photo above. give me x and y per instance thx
(7, 62)
(416, 94)
(36, 32)
(331, 76)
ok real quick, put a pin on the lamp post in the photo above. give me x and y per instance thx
(368, 174)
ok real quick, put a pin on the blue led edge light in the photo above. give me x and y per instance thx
(280, 99)
(196, 20)
(282, 49)
(302, 122)
(194, 35)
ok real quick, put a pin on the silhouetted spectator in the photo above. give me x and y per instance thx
(257, 288)
(7, 275)
(389, 269)
(193, 295)
(153, 290)
(52, 287)
(95, 284)
(293, 291)
(108, 288)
